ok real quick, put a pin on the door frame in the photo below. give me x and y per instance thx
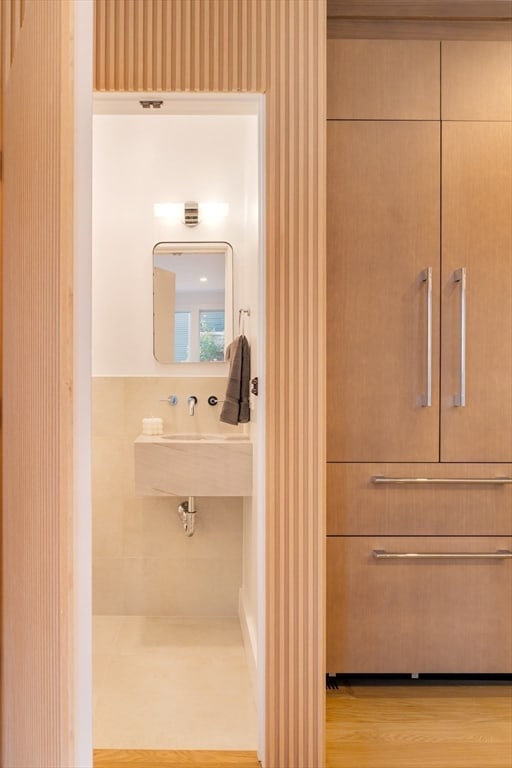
(194, 104)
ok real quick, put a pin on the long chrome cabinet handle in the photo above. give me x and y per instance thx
(381, 480)
(459, 276)
(500, 554)
(426, 277)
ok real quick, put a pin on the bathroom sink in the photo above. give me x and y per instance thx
(190, 464)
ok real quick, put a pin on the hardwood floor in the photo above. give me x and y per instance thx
(381, 726)
(420, 726)
(162, 758)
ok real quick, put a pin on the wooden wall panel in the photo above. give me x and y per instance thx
(180, 45)
(37, 413)
(12, 13)
(278, 47)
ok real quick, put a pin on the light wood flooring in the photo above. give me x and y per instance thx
(381, 726)
(162, 758)
(420, 726)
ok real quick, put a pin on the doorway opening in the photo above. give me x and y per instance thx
(177, 619)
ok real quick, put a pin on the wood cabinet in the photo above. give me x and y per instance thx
(414, 615)
(476, 80)
(383, 234)
(379, 80)
(477, 235)
(419, 318)
(359, 506)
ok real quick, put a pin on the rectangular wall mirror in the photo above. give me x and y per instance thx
(192, 301)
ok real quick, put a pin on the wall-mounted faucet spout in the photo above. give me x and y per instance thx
(192, 402)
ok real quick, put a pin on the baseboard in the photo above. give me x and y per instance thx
(248, 626)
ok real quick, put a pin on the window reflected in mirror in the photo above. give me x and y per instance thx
(192, 301)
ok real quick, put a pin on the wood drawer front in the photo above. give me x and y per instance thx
(358, 507)
(425, 616)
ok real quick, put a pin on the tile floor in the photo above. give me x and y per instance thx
(165, 683)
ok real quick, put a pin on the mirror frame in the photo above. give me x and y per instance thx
(217, 246)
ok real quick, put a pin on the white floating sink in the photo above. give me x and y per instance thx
(193, 464)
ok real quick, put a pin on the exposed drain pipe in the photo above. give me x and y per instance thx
(187, 514)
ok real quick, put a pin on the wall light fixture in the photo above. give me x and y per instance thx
(190, 212)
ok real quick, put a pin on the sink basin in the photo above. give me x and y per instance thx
(193, 464)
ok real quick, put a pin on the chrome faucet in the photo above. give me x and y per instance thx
(192, 402)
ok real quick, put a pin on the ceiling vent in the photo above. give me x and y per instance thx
(148, 104)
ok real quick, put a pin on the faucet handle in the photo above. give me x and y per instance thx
(213, 400)
(172, 400)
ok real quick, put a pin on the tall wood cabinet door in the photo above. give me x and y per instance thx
(382, 234)
(476, 355)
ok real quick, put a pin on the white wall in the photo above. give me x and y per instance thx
(139, 160)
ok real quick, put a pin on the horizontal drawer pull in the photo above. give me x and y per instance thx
(381, 480)
(500, 554)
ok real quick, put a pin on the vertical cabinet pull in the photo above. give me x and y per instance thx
(459, 276)
(426, 399)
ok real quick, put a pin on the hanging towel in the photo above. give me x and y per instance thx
(235, 409)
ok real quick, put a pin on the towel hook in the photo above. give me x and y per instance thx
(242, 314)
